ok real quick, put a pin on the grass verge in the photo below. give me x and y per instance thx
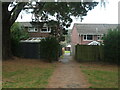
(101, 76)
(26, 73)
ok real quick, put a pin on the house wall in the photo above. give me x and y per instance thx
(74, 40)
(85, 42)
(37, 34)
(74, 36)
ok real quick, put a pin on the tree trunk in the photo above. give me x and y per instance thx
(6, 43)
(8, 18)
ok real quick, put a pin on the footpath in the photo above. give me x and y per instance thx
(67, 75)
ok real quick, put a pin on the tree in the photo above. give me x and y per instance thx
(111, 45)
(8, 18)
(62, 12)
(17, 33)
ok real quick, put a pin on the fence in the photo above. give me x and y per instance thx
(30, 50)
(89, 53)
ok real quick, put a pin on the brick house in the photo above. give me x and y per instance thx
(84, 34)
(36, 30)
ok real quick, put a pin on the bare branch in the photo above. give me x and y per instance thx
(16, 12)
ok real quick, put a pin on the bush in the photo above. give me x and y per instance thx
(111, 43)
(17, 33)
(49, 49)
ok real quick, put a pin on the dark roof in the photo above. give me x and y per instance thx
(39, 24)
(95, 29)
(31, 24)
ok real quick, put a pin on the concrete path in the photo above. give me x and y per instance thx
(68, 75)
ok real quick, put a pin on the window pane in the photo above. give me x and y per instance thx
(99, 37)
(44, 29)
(84, 37)
(89, 37)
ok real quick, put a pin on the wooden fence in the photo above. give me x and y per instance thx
(89, 53)
(30, 50)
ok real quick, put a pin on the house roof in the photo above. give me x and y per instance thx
(31, 24)
(38, 24)
(94, 29)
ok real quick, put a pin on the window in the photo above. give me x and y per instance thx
(46, 29)
(99, 37)
(35, 29)
(32, 30)
(84, 37)
(88, 37)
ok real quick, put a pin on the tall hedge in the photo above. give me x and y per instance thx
(49, 49)
(111, 46)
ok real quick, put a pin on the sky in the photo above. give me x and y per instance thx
(101, 15)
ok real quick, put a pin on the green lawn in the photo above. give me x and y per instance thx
(101, 77)
(26, 74)
(67, 51)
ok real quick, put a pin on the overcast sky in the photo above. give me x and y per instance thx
(108, 15)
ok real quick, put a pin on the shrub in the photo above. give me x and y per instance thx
(111, 43)
(17, 33)
(49, 49)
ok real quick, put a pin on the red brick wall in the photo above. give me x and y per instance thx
(38, 34)
(74, 36)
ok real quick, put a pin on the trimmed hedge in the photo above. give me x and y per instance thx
(50, 49)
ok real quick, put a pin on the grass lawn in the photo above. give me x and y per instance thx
(101, 75)
(26, 73)
(67, 51)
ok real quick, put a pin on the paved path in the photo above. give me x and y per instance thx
(67, 75)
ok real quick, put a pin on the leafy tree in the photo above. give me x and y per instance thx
(8, 18)
(62, 12)
(111, 46)
(18, 32)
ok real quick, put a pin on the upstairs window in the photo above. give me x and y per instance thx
(88, 37)
(32, 30)
(46, 29)
(99, 37)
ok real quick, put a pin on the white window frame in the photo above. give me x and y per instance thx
(86, 37)
(46, 30)
(32, 30)
(100, 37)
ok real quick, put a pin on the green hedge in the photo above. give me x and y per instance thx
(49, 49)
(111, 46)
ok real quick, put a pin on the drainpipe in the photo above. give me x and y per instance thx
(79, 38)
